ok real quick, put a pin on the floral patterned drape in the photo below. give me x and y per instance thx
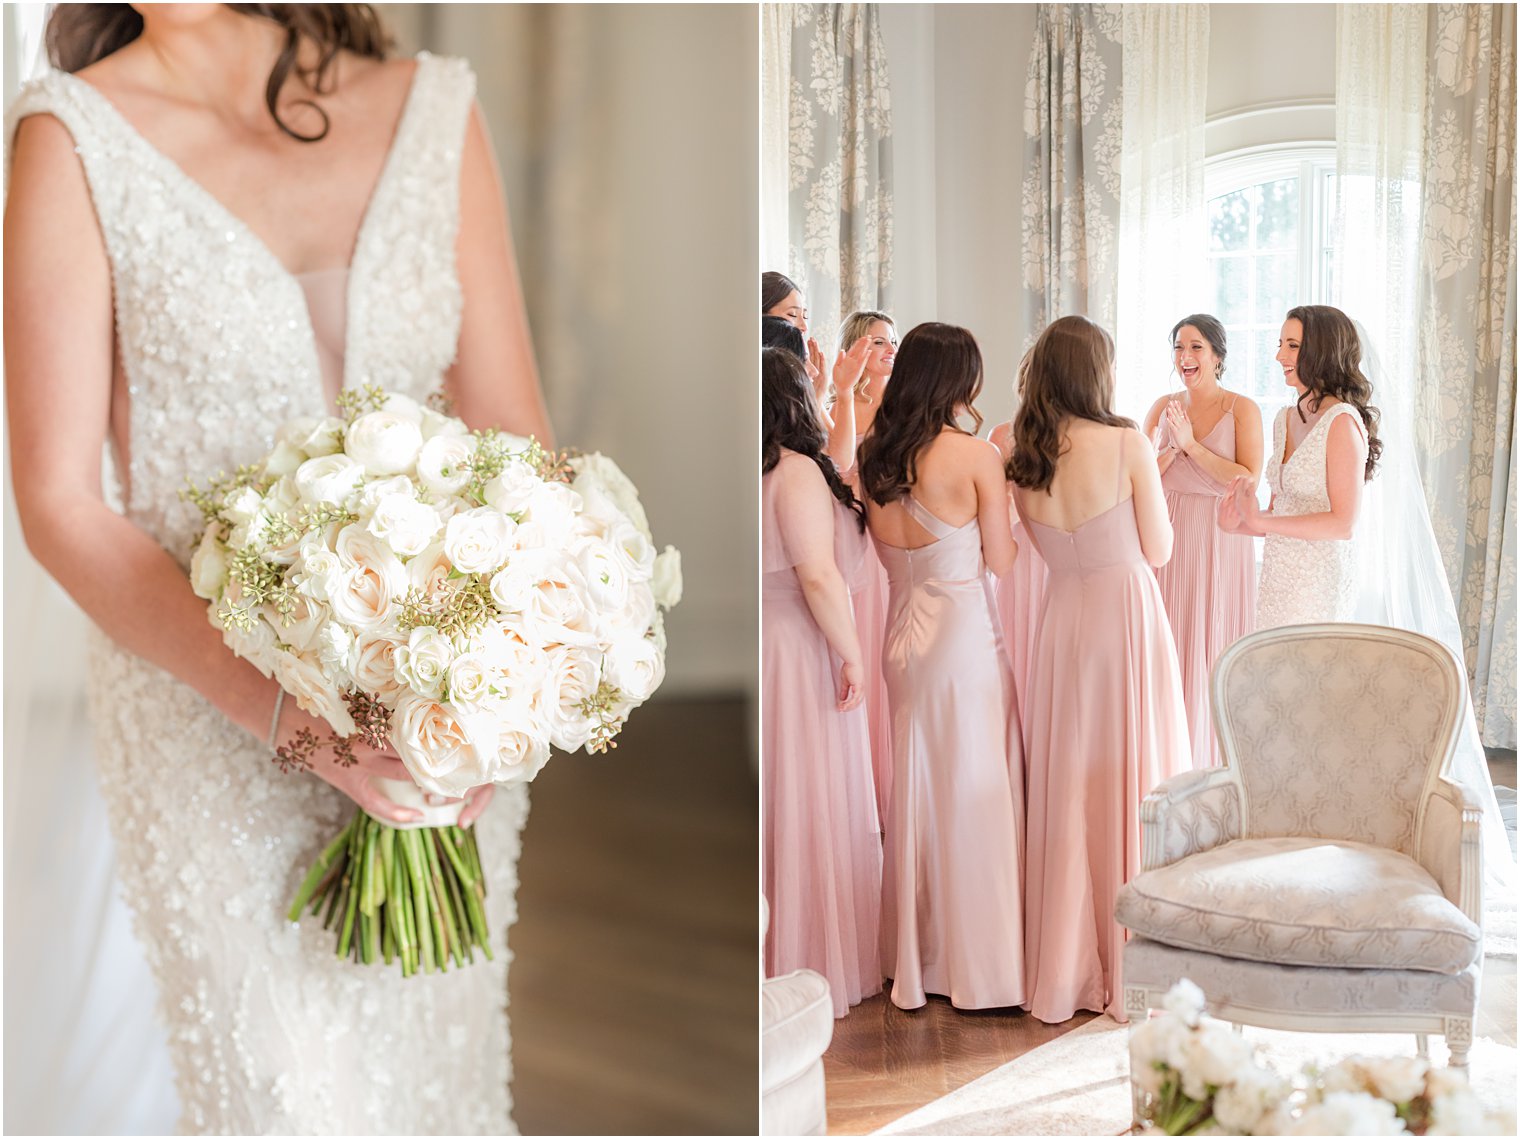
(1466, 388)
(837, 109)
(1073, 116)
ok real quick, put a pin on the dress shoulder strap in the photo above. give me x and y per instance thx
(1119, 477)
(58, 94)
(926, 518)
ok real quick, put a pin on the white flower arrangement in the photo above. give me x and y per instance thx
(1194, 1075)
(468, 597)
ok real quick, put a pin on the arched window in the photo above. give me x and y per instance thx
(1269, 212)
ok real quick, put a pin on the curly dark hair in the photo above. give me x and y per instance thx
(938, 372)
(789, 419)
(81, 34)
(1330, 364)
(1068, 373)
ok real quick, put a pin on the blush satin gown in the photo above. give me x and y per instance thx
(952, 895)
(1103, 724)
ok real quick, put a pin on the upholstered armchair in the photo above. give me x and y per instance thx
(1326, 878)
(796, 1026)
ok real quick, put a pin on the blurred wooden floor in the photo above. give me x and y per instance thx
(634, 994)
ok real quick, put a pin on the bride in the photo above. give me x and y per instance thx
(220, 216)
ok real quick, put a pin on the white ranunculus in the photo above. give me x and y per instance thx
(477, 541)
(384, 442)
(208, 567)
(512, 489)
(242, 505)
(636, 552)
(441, 464)
(1186, 1000)
(403, 406)
(666, 577)
(404, 524)
(423, 662)
(604, 573)
(312, 691)
(377, 489)
(444, 751)
(338, 652)
(313, 436)
(598, 471)
(434, 424)
(331, 479)
(1349, 1113)
(635, 666)
(372, 579)
(572, 677)
(469, 678)
(375, 668)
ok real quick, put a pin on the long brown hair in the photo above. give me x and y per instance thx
(938, 372)
(1330, 364)
(1068, 372)
(789, 419)
(775, 288)
(80, 34)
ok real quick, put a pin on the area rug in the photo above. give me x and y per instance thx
(1079, 1084)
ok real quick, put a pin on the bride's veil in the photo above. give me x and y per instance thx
(1404, 585)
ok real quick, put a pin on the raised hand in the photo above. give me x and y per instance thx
(1181, 426)
(850, 365)
(816, 370)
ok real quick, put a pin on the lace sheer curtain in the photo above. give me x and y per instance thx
(1161, 209)
(1073, 118)
(1380, 132)
(824, 67)
(1465, 390)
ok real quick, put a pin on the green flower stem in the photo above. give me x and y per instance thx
(474, 853)
(402, 891)
(453, 912)
(421, 922)
(475, 908)
(461, 916)
(443, 936)
(318, 872)
(350, 888)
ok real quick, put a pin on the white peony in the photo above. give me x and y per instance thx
(404, 524)
(445, 751)
(441, 464)
(423, 662)
(573, 675)
(330, 479)
(312, 691)
(477, 541)
(666, 577)
(635, 666)
(208, 567)
(384, 442)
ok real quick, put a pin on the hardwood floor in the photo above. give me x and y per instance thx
(634, 987)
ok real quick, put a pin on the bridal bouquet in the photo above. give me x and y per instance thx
(468, 598)
(1194, 1076)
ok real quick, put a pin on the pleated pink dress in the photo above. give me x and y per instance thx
(1209, 586)
(822, 843)
(952, 898)
(871, 625)
(1104, 723)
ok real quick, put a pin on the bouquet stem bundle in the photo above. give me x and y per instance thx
(417, 896)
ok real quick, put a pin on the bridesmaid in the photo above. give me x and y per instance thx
(880, 334)
(780, 297)
(1206, 438)
(840, 426)
(1105, 720)
(952, 906)
(822, 854)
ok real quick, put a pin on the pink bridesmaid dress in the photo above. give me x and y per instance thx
(1020, 597)
(822, 844)
(871, 624)
(1104, 723)
(952, 905)
(1209, 586)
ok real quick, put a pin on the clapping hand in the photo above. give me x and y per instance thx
(1181, 426)
(850, 365)
(1238, 511)
(815, 370)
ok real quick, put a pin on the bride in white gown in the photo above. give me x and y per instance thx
(189, 266)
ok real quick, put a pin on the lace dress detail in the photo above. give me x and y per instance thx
(268, 1032)
(1304, 581)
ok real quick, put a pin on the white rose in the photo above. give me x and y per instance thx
(516, 665)
(300, 627)
(371, 579)
(557, 610)
(635, 666)
(634, 619)
(445, 751)
(375, 668)
(428, 572)
(312, 436)
(512, 587)
(208, 567)
(469, 679)
(434, 424)
(512, 490)
(312, 691)
(383, 443)
(520, 755)
(330, 479)
(423, 662)
(242, 505)
(338, 652)
(318, 569)
(635, 551)
(476, 541)
(666, 577)
(377, 489)
(604, 573)
(404, 524)
(572, 676)
(441, 463)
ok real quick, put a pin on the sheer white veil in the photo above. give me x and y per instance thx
(1404, 585)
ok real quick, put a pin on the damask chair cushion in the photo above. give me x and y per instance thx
(1303, 901)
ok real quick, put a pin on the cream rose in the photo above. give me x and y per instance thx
(446, 752)
(521, 753)
(635, 666)
(208, 567)
(384, 442)
(429, 570)
(312, 691)
(470, 679)
(375, 668)
(372, 578)
(666, 577)
(477, 541)
(423, 662)
(512, 490)
(404, 524)
(572, 677)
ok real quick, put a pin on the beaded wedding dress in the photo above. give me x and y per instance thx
(269, 1033)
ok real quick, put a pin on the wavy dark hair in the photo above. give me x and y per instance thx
(775, 288)
(1069, 373)
(938, 372)
(80, 34)
(789, 419)
(776, 332)
(1330, 364)
(1210, 329)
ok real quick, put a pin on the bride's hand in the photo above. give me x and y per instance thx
(356, 780)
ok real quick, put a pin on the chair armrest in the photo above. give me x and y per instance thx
(1188, 813)
(1450, 845)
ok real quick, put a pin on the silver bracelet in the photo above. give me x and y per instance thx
(274, 723)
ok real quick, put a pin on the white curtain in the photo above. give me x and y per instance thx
(1073, 115)
(1380, 112)
(1162, 225)
(824, 68)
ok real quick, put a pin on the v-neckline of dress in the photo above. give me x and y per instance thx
(236, 225)
(1285, 460)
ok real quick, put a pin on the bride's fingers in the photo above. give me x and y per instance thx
(478, 799)
(376, 804)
